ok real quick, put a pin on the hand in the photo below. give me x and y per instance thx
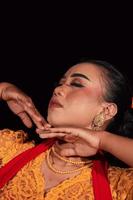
(22, 105)
(85, 142)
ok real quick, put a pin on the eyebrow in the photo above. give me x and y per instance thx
(80, 75)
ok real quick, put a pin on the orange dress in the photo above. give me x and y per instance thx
(29, 183)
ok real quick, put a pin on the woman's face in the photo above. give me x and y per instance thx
(77, 99)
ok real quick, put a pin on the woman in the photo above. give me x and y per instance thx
(85, 104)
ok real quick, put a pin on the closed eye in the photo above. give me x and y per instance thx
(72, 84)
(77, 84)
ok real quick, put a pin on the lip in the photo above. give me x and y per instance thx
(55, 104)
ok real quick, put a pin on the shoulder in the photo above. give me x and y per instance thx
(121, 172)
(121, 181)
(12, 136)
(13, 143)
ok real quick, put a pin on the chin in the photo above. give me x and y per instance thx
(56, 122)
(61, 121)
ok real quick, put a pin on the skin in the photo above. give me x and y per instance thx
(70, 96)
(21, 105)
(80, 106)
(82, 141)
(77, 138)
(72, 113)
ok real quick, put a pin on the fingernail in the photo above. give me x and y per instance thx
(42, 127)
(47, 125)
(42, 136)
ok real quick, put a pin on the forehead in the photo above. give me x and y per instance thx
(90, 70)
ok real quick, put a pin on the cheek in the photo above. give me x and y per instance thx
(77, 104)
(92, 94)
(80, 107)
(84, 103)
(83, 96)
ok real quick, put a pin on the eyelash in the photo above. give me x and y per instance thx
(77, 84)
(72, 84)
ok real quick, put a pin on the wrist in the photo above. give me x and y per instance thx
(104, 137)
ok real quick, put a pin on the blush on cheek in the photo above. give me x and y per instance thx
(92, 92)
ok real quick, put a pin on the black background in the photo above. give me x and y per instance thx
(39, 42)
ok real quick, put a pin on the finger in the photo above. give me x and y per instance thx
(25, 119)
(25, 99)
(31, 115)
(51, 135)
(64, 130)
(67, 132)
(77, 132)
(44, 130)
(37, 118)
(48, 134)
(30, 108)
(85, 134)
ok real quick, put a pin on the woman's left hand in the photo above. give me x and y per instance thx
(21, 105)
(85, 142)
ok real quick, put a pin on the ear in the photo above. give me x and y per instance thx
(110, 110)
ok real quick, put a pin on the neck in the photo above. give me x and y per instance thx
(59, 149)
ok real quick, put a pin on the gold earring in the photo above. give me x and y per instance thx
(98, 121)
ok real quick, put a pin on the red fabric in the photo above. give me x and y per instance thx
(99, 172)
(101, 185)
(12, 167)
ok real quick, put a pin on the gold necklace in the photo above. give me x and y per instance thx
(67, 160)
(59, 171)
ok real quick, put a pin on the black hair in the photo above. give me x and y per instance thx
(118, 91)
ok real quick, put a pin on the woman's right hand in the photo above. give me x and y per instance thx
(22, 105)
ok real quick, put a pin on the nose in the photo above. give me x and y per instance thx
(60, 90)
